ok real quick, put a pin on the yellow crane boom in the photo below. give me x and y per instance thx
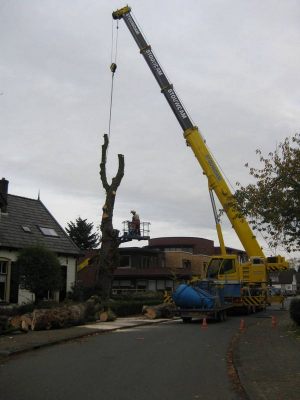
(195, 141)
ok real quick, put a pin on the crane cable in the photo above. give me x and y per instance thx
(113, 68)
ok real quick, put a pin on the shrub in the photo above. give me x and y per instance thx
(295, 311)
(8, 310)
(40, 271)
(25, 308)
(81, 293)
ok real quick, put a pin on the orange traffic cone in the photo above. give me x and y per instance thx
(242, 325)
(204, 323)
(274, 322)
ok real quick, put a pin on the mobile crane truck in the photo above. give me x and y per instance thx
(229, 282)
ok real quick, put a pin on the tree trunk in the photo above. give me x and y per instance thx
(109, 257)
(60, 317)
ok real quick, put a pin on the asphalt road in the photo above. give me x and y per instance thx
(162, 362)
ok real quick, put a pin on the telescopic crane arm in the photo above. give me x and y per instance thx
(194, 139)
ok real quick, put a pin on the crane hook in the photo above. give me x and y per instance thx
(113, 67)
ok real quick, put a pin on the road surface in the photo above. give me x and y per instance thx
(161, 362)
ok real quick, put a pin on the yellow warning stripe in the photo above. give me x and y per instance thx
(276, 268)
(253, 300)
(168, 298)
(83, 264)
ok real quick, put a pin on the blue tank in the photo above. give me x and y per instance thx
(186, 296)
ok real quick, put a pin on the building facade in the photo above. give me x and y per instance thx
(26, 222)
(159, 266)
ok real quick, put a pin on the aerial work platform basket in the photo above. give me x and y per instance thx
(131, 233)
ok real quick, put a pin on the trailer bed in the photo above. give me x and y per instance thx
(216, 313)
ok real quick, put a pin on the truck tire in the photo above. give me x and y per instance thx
(219, 316)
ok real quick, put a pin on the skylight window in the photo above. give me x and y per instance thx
(26, 229)
(48, 231)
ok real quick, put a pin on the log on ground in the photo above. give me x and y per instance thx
(60, 317)
(160, 311)
(107, 316)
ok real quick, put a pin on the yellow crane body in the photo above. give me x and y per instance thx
(244, 281)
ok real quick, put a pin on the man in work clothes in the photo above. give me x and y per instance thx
(135, 223)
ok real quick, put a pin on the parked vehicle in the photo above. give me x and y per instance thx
(204, 299)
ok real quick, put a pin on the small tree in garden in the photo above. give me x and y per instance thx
(81, 232)
(40, 271)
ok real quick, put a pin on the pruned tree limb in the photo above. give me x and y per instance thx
(103, 163)
(108, 258)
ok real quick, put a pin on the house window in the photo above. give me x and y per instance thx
(169, 284)
(185, 249)
(186, 264)
(146, 262)
(48, 231)
(26, 229)
(125, 283)
(141, 284)
(125, 261)
(3, 279)
(160, 285)
(3, 267)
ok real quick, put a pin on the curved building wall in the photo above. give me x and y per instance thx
(193, 245)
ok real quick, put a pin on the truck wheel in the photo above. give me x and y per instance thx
(220, 316)
(186, 320)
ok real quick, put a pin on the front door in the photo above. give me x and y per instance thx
(3, 280)
(14, 283)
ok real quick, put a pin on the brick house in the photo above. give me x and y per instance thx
(156, 267)
(287, 281)
(26, 222)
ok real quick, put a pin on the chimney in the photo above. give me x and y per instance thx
(3, 195)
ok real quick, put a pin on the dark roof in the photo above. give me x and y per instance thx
(32, 213)
(199, 245)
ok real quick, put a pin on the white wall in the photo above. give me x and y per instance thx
(70, 263)
(24, 296)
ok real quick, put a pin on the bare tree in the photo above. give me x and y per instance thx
(109, 256)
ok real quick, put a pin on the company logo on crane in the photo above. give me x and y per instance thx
(133, 24)
(153, 61)
(177, 103)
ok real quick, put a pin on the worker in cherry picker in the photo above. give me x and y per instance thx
(135, 223)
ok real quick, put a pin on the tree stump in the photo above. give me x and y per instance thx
(160, 311)
(107, 316)
(26, 322)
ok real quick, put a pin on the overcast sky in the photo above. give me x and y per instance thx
(234, 63)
